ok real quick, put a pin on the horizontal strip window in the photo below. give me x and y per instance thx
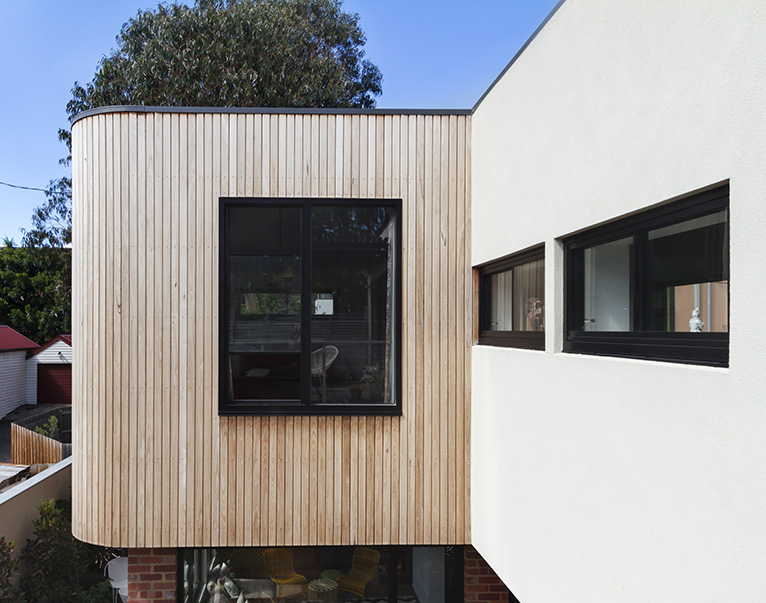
(322, 573)
(310, 306)
(654, 285)
(512, 301)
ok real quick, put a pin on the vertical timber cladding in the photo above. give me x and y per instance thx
(155, 466)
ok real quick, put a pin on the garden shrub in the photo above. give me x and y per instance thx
(60, 568)
(9, 593)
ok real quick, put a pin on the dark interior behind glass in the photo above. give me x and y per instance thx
(310, 300)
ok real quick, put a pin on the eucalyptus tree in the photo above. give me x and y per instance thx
(245, 53)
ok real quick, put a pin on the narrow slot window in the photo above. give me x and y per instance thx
(512, 301)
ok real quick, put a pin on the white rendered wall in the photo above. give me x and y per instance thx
(57, 353)
(604, 479)
(19, 505)
(12, 380)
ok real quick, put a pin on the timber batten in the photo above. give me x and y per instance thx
(155, 465)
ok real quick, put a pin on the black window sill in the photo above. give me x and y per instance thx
(705, 349)
(247, 408)
(526, 340)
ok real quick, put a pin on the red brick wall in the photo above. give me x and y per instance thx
(482, 584)
(151, 575)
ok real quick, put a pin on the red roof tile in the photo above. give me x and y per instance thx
(13, 340)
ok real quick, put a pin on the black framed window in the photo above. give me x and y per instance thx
(384, 574)
(310, 306)
(654, 285)
(512, 300)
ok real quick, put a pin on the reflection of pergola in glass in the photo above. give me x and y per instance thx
(358, 275)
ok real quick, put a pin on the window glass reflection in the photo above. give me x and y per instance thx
(529, 296)
(689, 277)
(607, 286)
(264, 304)
(352, 287)
(518, 298)
(501, 314)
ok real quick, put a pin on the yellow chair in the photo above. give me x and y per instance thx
(363, 570)
(282, 572)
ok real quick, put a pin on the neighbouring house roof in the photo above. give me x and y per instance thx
(8, 472)
(11, 340)
(67, 339)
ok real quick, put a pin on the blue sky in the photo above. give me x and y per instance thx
(433, 54)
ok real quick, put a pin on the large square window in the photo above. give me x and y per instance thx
(310, 306)
(512, 300)
(654, 285)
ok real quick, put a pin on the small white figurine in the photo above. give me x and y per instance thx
(695, 324)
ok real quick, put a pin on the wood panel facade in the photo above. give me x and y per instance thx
(155, 465)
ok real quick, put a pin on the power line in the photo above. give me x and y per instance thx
(26, 188)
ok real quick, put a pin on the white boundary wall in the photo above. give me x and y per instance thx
(49, 355)
(604, 479)
(19, 504)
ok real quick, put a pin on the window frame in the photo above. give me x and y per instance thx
(527, 340)
(242, 407)
(453, 564)
(710, 349)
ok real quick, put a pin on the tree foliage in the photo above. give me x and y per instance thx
(35, 285)
(8, 566)
(245, 53)
(52, 221)
(50, 429)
